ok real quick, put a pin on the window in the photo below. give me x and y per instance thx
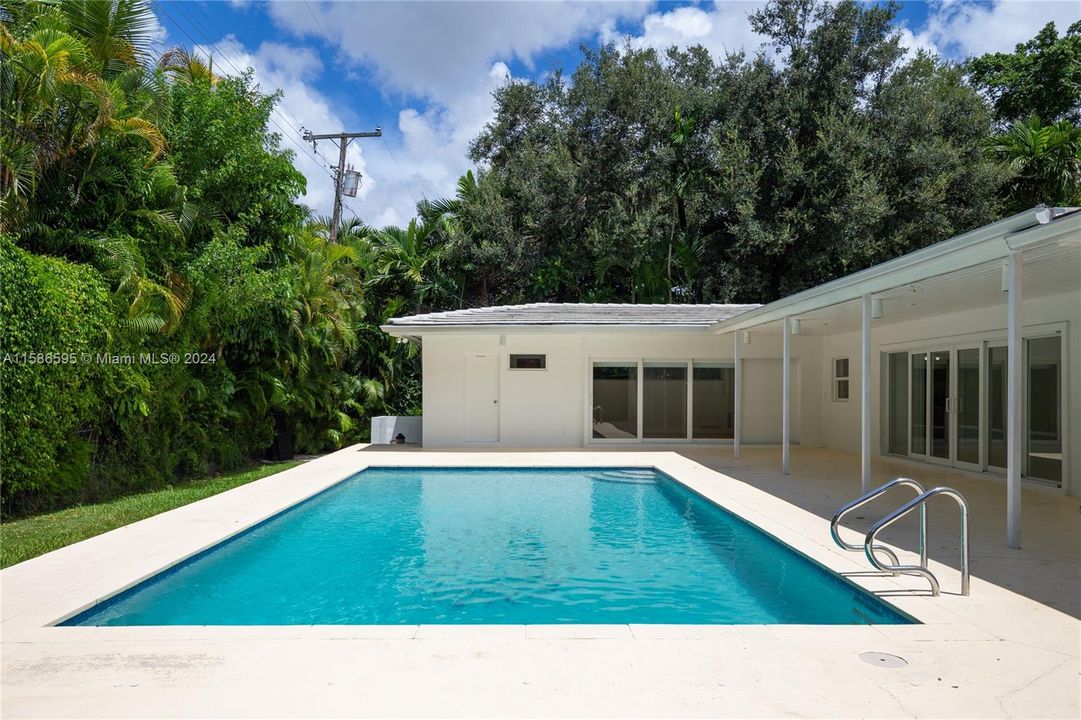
(840, 380)
(615, 400)
(898, 403)
(664, 400)
(714, 400)
(528, 362)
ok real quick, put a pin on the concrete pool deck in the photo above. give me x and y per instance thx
(996, 653)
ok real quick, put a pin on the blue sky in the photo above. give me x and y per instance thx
(424, 71)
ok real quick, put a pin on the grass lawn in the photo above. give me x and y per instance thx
(29, 537)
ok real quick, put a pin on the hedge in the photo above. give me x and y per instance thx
(54, 317)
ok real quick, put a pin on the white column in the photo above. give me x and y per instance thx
(865, 395)
(737, 429)
(1015, 418)
(786, 387)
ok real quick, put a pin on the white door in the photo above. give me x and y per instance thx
(482, 398)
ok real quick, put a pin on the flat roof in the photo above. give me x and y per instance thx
(611, 315)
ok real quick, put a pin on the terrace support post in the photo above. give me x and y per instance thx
(786, 391)
(865, 394)
(1014, 409)
(737, 421)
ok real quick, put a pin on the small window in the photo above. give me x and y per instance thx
(528, 362)
(840, 380)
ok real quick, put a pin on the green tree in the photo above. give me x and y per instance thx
(824, 156)
(1041, 78)
(1045, 162)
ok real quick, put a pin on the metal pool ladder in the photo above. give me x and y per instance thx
(894, 567)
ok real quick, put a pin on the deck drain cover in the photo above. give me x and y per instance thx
(883, 660)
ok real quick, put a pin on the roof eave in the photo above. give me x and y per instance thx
(417, 329)
(990, 242)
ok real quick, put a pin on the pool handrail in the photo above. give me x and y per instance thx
(868, 497)
(922, 570)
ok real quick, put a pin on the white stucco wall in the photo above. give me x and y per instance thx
(550, 408)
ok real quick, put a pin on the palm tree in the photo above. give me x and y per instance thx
(1045, 161)
(186, 66)
(56, 100)
(410, 260)
(473, 226)
(117, 33)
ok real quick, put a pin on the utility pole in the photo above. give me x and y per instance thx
(342, 140)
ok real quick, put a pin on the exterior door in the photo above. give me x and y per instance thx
(931, 428)
(482, 398)
(940, 404)
(966, 407)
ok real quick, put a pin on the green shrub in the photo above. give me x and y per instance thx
(47, 409)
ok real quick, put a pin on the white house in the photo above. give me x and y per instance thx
(957, 339)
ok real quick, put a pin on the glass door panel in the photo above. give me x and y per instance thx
(713, 390)
(1044, 426)
(615, 400)
(664, 401)
(940, 393)
(996, 406)
(967, 406)
(898, 400)
(918, 413)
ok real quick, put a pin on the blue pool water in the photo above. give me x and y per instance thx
(495, 546)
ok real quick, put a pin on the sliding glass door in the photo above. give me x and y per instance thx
(966, 407)
(995, 417)
(714, 401)
(635, 400)
(1043, 409)
(940, 405)
(949, 405)
(918, 411)
(897, 376)
(615, 400)
(664, 407)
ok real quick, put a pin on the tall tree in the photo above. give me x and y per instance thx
(1041, 77)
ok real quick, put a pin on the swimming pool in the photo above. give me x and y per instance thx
(404, 546)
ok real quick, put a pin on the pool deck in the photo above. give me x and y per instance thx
(996, 653)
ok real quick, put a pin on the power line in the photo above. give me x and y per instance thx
(309, 152)
(301, 131)
(364, 104)
(343, 139)
(291, 136)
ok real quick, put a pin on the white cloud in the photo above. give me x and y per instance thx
(436, 49)
(958, 30)
(445, 59)
(722, 29)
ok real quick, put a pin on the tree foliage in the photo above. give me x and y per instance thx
(149, 212)
(1041, 77)
(656, 177)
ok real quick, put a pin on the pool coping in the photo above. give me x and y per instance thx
(68, 581)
